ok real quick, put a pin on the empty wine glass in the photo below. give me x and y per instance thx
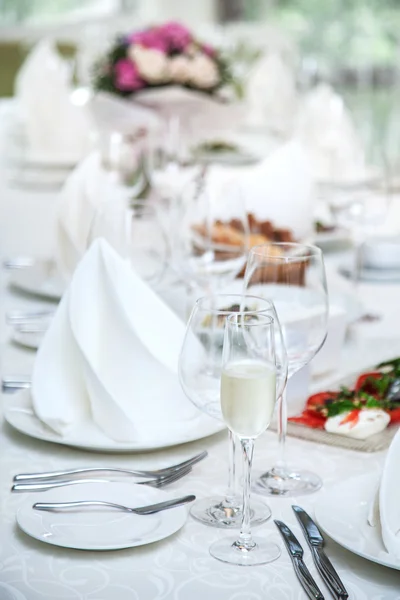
(249, 385)
(134, 229)
(210, 242)
(200, 367)
(293, 277)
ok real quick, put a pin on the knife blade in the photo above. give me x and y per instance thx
(296, 554)
(322, 562)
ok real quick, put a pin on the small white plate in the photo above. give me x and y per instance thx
(373, 275)
(18, 412)
(342, 514)
(327, 240)
(41, 279)
(100, 528)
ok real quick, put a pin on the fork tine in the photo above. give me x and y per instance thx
(163, 481)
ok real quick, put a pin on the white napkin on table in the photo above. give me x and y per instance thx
(327, 130)
(280, 188)
(57, 129)
(111, 355)
(83, 193)
(387, 500)
(271, 94)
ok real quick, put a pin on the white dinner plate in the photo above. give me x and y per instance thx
(343, 513)
(100, 528)
(372, 275)
(41, 279)
(18, 412)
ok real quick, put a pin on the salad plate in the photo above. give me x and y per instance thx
(19, 413)
(39, 279)
(342, 514)
(101, 528)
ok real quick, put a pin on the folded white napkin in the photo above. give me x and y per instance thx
(82, 195)
(326, 129)
(57, 130)
(389, 499)
(280, 188)
(111, 355)
(271, 94)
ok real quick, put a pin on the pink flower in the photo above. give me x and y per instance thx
(209, 50)
(176, 35)
(149, 38)
(127, 78)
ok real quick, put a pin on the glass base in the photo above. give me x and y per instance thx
(286, 482)
(217, 512)
(229, 550)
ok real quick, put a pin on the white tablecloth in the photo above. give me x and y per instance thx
(178, 568)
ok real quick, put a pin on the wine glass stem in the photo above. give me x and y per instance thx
(245, 541)
(282, 430)
(231, 495)
(357, 266)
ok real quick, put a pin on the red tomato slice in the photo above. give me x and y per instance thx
(362, 379)
(320, 399)
(394, 415)
(310, 418)
(352, 417)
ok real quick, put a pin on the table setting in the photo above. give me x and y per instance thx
(200, 396)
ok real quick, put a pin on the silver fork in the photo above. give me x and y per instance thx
(157, 482)
(138, 473)
(140, 510)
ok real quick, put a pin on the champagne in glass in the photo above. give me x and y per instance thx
(248, 393)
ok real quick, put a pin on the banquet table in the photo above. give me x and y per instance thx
(179, 567)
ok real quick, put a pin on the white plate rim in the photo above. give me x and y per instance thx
(356, 482)
(180, 516)
(17, 402)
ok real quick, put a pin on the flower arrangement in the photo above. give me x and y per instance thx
(160, 56)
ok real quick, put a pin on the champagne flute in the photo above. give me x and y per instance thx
(200, 367)
(293, 277)
(249, 384)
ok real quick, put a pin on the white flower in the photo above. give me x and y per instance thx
(151, 64)
(204, 72)
(179, 69)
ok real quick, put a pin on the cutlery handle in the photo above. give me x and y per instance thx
(21, 262)
(42, 486)
(306, 579)
(329, 574)
(12, 384)
(79, 471)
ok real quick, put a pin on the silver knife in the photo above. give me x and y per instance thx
(296, 554)
(322, 562)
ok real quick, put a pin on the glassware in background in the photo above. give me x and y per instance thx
(249, 386)
(134, 229)
(123, 155)
(293, 277)
(200, 366)
(210, 240)
(362, 210)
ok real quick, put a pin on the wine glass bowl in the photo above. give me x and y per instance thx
(211, 243)
(293, 276)
(134, 229)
